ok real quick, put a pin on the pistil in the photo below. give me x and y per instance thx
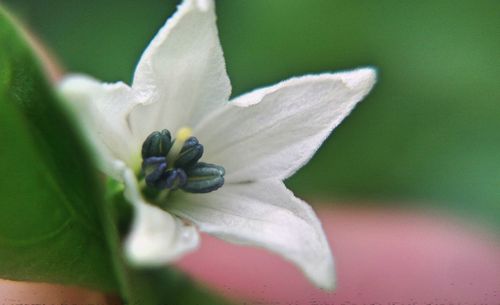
(180, 138)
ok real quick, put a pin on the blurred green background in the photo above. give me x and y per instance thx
(428, 135)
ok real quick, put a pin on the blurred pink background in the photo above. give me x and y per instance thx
(382, 257)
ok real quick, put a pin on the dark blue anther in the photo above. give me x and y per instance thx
(153, 169)
(183, 171)
(157, 144)
(204, 178)
(153, 160)
(182, 177)
(174, 179)
(153, 178)
(190, 153)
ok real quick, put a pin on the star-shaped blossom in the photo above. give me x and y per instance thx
(259, 138)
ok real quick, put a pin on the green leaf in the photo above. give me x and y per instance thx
(168, 286)
(50, 219)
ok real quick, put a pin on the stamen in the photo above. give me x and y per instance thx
(190, 153)
(170, 165)
(182, 135)
(153, 169)
(155, 175)
(204, 178)
(153, 160)
(175, 179)
(157, 144)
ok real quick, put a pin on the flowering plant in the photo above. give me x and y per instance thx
(188, 159)
(252, 143)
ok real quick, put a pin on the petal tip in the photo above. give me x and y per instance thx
(158, 238)
(144, 251)
(362, 77)
(204, 5)
(323, 274)
(328, 283)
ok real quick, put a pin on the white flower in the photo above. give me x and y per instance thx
(260, 138)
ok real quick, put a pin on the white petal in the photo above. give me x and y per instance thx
(102, 109)
(272, 132)
(264, 214)
(182, 72)
(156, 237)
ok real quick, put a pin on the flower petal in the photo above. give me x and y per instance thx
(268, 215)
(102, 109)
(272, 132)
(182, 72)
(156, 237)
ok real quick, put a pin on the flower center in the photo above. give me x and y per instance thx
(170, 164)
